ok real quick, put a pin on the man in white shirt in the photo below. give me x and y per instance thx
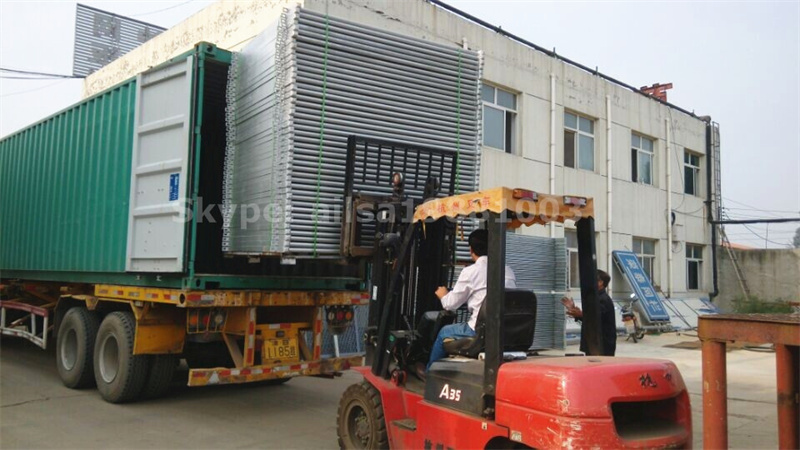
(470, 289)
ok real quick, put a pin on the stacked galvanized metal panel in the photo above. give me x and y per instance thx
(300, 89)
(540, 265)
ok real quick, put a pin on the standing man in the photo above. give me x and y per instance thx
(470, 289)
(608, 324)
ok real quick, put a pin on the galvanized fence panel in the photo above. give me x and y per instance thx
(300, 89)
(539, 265)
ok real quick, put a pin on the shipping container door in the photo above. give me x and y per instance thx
(159, 179)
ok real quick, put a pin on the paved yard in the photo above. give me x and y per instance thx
(38, 412)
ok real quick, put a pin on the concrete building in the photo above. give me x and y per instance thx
(548, 125)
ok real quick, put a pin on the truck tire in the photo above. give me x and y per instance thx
(75, 347)
(360, 421)
(159, 375)
(120, 375)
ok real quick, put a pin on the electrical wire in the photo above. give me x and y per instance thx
(783, 244)
(752, 207)
(691, 212)
(785, 211)
(32, 90)
(161, 10)
(780, 232)
(37, 74)
(734, 216)
(3, 77)
(680, 163)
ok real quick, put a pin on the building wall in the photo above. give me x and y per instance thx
(229, 24)
(638, 210)
(771, 274)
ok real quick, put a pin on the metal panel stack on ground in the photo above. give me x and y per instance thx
(540, 265)
(300, 89)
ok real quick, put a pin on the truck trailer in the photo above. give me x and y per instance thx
(96, 250)
(136, 226)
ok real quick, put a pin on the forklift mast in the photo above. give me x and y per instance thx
(384, 182)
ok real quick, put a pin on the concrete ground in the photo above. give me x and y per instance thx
(39, 412)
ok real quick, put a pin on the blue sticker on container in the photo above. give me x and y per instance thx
(174, 184)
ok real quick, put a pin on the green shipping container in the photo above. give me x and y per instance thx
(93, 194)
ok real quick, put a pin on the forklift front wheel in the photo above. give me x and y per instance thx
(360, 420)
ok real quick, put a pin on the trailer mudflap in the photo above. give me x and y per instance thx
(219, 375)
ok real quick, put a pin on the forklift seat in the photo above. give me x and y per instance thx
(519, 324)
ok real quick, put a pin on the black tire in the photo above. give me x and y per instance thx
(75, 347)
(120, 375)
(360, 421)
(159, 375)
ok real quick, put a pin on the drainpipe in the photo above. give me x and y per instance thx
(552, 144)
(669, 207)
(710, 205)
(609, 186)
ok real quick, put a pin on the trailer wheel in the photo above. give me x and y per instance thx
(159, 375)
(75, 347)
(360, 419)
(120, 375)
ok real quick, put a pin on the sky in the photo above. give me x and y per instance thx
(738, 62)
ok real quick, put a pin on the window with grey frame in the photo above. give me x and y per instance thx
(694, 267)
(641, 159)
(578, 141)
(499, 117)
(691, 173)
(573, 276)
(645, 250)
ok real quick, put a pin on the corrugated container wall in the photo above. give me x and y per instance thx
(64, 188)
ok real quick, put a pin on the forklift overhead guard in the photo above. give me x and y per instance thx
(524, 207)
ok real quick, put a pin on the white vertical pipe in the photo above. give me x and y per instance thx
(609, 188)
(552, 144)
(668, 158)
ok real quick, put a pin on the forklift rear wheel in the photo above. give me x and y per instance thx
(360, 420)
(75, 347)
(120, 375)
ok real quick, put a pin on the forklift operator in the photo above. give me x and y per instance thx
(470, 289)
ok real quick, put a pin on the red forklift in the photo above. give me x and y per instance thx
(492, 392)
